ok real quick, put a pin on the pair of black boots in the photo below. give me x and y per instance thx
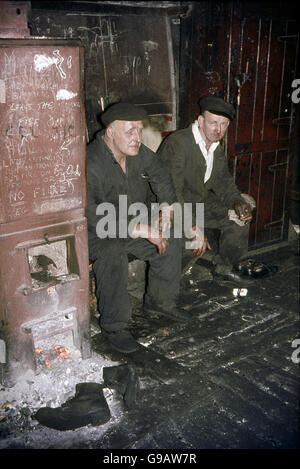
(89, 405)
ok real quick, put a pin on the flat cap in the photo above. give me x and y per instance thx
(123, 112)
(218, 106)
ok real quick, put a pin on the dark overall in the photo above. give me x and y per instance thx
(105, 183)
(111, 270)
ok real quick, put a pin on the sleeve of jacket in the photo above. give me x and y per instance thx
(175, 159)
(95, 196)
(159, 177)
(224, 186)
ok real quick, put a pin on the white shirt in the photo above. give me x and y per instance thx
(208, 155)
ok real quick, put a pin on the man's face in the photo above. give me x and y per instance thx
(212, 127)
(126, 137)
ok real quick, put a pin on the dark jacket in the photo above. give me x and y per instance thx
(187, 165)
(106, 181)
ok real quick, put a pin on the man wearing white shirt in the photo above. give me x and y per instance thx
(208, 153)
(200, 173)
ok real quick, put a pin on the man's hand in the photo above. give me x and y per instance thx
(165, 219)
(153, 235)
(200, 242)
(160, 242)
(243, 211)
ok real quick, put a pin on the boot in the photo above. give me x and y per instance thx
(89, 406)
(122, 341)
(125, 380)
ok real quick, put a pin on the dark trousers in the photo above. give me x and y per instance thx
(111, 272)
(231, 244)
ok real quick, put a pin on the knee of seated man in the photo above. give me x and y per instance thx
(175, 247)
(112, 250)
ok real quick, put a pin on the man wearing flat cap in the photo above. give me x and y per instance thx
(200, 173)
(120, 170)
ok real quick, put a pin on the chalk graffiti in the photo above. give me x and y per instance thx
(65, 94)
(40, 134)
(42, 62)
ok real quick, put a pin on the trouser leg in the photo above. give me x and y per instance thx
(233, 245)
(111, 272)
(164, 269)
(233, 239)
(187, 254)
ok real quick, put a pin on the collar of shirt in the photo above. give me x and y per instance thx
(105, 148)
(208, 155)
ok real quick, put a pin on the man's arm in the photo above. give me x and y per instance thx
(227, 191)
(153, 235)
(175, 159)
(161, 183)
(174, 155)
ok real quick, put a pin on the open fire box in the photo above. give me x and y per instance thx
(44, 267)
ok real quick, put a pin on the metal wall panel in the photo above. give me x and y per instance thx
(42, 140)
(128, 57)
(260, 147)
(247, 53)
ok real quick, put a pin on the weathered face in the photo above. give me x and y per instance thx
(212, 127)
(126, 137)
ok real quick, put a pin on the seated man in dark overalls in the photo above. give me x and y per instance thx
(119, 171)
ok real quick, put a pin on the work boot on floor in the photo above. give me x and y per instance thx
(255, 269)
(227, 274)
(89, 406)
(124, 379)
(121, 340)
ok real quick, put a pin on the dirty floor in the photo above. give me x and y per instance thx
(229, 379)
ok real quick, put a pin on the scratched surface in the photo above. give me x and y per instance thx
(126, 58)
(40, 137)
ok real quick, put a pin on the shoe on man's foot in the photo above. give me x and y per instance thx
(169, 310)
(233, 277)
(121, 340)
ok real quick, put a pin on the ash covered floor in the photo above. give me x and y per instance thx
(228, 379)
